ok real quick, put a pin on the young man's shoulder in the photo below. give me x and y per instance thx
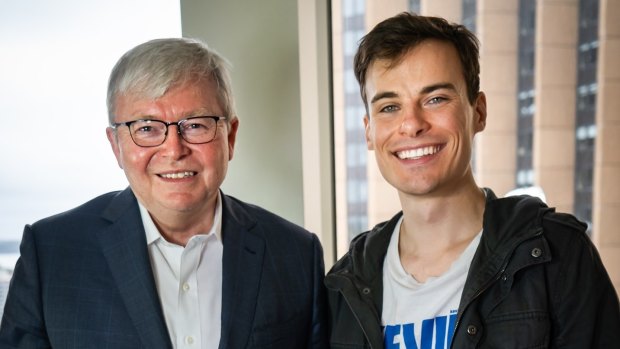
(566, 233)
(526, 213)
(563, 222)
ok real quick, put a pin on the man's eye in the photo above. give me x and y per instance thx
(388, 109)
(196, 126)
(144, 129)
(436, 100)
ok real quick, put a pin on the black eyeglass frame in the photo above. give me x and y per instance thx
(179, 123)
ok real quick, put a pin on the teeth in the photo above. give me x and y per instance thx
(178, 175)
(418, 153)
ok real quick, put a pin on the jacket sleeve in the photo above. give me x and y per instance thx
(318, 335)
(587, 313)
(23, 324)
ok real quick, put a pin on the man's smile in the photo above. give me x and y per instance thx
(418, 153)
(177, 175)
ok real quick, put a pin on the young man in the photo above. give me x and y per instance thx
(458, 267)
(170, 262)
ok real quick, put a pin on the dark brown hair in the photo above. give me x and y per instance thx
(394, 37)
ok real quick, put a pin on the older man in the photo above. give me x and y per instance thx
(170, 262)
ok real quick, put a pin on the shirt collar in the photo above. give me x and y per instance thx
(153, 234)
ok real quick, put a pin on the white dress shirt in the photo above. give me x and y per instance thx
(189, 282)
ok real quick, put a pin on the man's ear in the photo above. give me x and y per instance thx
(369, 143)
(233, 125)
(113, 139)
(480, 112)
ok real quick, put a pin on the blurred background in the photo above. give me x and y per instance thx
(55, 61)
(549, 68)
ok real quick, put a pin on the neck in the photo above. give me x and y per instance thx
(437, 228)
(179, 232)
(440, 220)
(178, 227)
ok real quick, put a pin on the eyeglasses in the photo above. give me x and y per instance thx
(151, 133)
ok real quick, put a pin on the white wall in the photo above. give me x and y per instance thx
(259, 38)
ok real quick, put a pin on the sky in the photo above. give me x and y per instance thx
(55, 60)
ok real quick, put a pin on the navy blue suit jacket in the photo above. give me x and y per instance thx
(84, 280)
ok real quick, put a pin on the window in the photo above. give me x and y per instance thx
(55, 61)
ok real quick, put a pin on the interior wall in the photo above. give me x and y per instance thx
(260, 39)
(317, 122)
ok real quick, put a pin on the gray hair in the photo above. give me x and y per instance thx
(154, 67)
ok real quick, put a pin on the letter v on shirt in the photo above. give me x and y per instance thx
(421, 315)
(437, 331)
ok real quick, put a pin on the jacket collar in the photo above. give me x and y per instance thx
(511, 219)
(124, 246)
(506, 222)
(125, 249)
(244, 249)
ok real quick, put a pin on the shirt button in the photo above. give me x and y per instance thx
(536, 252)
(186, 287)
(189, 340)
(472, 330)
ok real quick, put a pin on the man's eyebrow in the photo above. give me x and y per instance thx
(440, 86)
(381, 95)
(197, 112)
(424, 90)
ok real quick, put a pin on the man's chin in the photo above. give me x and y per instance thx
(181, 206)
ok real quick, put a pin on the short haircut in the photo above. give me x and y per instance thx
(151, 69)
(394, 37)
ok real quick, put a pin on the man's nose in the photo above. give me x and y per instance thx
(414, 123)
(174, 145)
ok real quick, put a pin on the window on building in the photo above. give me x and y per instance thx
(525, 93)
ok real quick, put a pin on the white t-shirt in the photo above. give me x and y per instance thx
(421, 315)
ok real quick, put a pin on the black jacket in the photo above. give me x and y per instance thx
(536, 281)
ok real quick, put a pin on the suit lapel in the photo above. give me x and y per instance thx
(124, 246)
(244, 249)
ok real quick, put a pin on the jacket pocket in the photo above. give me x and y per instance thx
(527, 329)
